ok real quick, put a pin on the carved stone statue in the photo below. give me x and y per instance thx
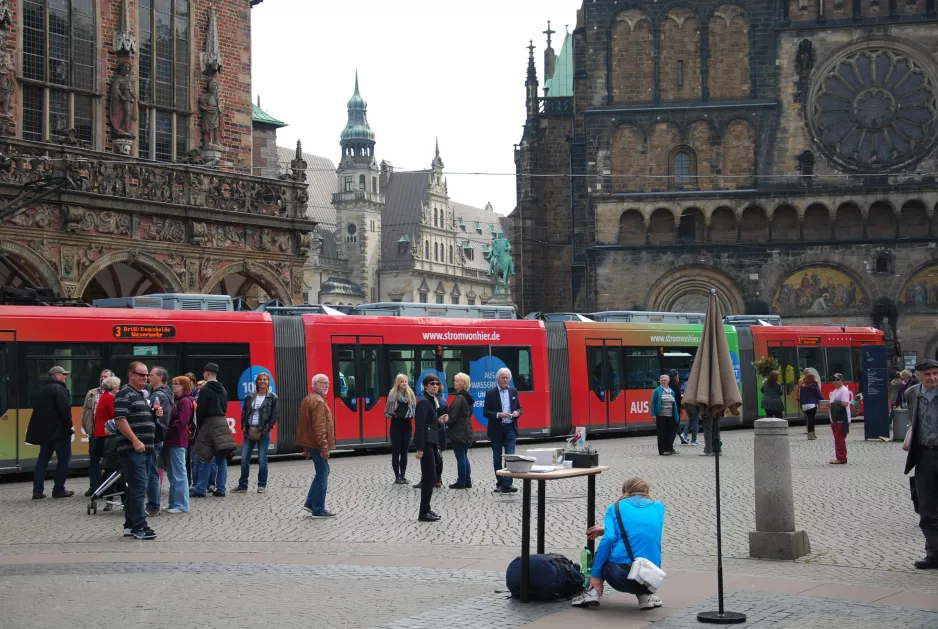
(123, 113)
(501, 265)
(211, 115)
(7, 79)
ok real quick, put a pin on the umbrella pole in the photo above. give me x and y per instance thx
(720, 617)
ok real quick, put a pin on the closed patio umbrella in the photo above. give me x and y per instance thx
(712, 388)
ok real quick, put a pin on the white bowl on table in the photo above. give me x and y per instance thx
(518, 463)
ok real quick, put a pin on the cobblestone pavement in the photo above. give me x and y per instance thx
(262, 551)
(858, 515)
(780, 611)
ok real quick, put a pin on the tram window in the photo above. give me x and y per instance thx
(642, 367)
(400, 360)
(518, 360)
(151, 354)
(82, 360)
(453, 364)
(838, 361)
(427, 361)
(812, 357)
(372, 390)
(613, 371)
(344, 357)
(594, 358)
(232, 359)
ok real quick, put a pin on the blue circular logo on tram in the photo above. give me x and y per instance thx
(246, 381)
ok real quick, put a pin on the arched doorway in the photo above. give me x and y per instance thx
(21, 267)
(123, 279)
(687, 288)
(253, 282)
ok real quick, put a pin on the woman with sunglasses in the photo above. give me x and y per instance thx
(426, 441)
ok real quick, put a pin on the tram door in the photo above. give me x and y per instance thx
(9, 409)
(786, 354)
(358, 410)
(607, 399)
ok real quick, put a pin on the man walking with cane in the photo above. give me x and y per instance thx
(922, 444)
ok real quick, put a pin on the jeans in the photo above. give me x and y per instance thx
(777, 414)
(463, 470)
(95, 454)
(711, 435)
(428, 477)
(506, 438)
(316, 497)
(178, 483)
(136, 470)
(693, 425)
(617, 576)
(664, 425)
(62, 446)
(197, 465)
(205, 473)
(263, 448)
(154, 488)
(400, 434)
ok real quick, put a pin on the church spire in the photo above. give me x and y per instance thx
(531, 85)
(437, 160)
(549, 56)
(357, 139)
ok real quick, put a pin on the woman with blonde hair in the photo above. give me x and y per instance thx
(459, 429)
(641, 519)
(400, 411)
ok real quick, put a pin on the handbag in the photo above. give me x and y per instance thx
(255, 433)
(643, 571)
(907, 442)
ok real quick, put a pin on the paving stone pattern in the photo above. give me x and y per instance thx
(858, 515)
(781, 611)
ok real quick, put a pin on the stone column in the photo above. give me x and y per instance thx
(775, 536)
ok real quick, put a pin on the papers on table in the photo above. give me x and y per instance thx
(545, 468)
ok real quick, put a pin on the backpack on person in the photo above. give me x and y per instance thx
(552, 577)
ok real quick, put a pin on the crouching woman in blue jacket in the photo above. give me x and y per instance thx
(643, 522)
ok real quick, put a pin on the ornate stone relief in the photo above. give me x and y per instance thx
(219, 236)
(207, 268)
(79, 219)
(271, 241)
(804, 61)
(161, 229)
(873, 108)
(41, 217)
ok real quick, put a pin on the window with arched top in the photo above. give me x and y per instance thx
(435, 217)
(883, 263)
(451, 254)
(436, 252)
(681, 168)
(426, 249)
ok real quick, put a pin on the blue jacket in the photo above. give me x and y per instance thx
(656, 404)
(643, 519)
(493, 406)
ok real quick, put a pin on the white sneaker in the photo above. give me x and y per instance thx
(589, 598)
(648, 601)
(174, 511)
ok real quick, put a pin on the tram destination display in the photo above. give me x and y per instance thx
(136, 332)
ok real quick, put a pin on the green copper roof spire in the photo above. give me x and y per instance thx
(357, 130)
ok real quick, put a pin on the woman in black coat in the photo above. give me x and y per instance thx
(459, 430)
(426, 442)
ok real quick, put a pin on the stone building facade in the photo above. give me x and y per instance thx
(128, 158)
(393, 236)
(781, 151)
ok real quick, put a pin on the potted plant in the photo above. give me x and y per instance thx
(766, 365)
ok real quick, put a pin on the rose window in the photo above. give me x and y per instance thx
(874, 110)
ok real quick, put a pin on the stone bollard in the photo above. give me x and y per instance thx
(775, 536)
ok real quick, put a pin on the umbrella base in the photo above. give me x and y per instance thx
(726, 618)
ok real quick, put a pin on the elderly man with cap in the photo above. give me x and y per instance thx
(50, 428)
(841, 398)
(922, 444)
(213, 439)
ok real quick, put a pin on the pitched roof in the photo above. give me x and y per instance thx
(260, 116)
(471, 216)
(560, 85)
(322, 182)
(404, 196)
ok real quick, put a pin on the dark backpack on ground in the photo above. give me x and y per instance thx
(552, 577)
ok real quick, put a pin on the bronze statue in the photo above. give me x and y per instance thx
(211, 115)
(123, 102)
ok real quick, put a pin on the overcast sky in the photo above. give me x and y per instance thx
(453, 69)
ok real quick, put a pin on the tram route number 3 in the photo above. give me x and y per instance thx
(132, 331)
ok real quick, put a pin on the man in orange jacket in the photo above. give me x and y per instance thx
(315, 432)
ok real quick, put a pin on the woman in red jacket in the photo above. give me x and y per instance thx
(103, 413)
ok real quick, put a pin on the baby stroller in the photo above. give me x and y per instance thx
(112, 489)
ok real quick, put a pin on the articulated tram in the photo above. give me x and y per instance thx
(568, 373)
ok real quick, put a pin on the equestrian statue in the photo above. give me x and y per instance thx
(501, 266)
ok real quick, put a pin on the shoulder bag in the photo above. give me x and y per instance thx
(643, 571)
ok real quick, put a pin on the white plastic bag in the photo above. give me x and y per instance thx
(647, 573)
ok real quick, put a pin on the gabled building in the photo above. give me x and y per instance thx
(392, 236)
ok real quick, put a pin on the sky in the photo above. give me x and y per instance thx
(447, 69)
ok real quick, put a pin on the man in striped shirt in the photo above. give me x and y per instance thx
(136, 423)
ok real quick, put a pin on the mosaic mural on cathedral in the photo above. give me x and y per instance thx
(921, 291)
(819, 290)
